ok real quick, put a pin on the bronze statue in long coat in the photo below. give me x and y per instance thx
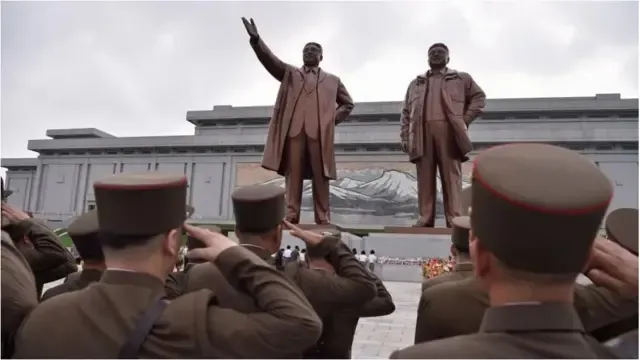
(438, 108)
(301, 132)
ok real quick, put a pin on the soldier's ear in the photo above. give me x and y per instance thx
(589, 264)
(321, 57)
(172, 242)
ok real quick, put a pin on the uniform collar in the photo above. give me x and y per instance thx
(531, 317)
(91, 275)
(465, 266)
(120, 277)
(258, 250)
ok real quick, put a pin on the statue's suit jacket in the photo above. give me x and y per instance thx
(330, 91)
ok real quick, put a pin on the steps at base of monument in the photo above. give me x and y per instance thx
(359, 230)
(417, 230)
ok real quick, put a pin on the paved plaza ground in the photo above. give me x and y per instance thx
(378, 337)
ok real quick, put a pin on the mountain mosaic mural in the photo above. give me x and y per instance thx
(369, 196)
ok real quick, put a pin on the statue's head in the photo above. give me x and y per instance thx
(438, 55)
(312, 54)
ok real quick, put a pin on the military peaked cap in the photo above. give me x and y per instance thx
(84, 232)
(141, 204)
(460, 232)
(190, 211)
(622, 227)
(316, 252)
(258, 208)
(538, 207)
(328, 230)
(193, 243)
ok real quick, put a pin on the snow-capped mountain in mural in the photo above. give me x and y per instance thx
(375, 192)
(393, 185)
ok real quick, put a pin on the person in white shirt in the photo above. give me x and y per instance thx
(372, 260)
(363, 257)
(286, 255)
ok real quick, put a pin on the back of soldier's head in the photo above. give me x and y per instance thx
(536, 211)
(259, 211)
(621, 226)
(84, 232)
(141, 216)
(460, 236)
(193, 243)
(318, 253)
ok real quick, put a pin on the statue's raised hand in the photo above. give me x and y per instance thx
(250, 25)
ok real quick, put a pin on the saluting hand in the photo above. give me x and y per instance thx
(215, 243)
(250, 25)
(13, 214)
(614, 268)
(309, 237)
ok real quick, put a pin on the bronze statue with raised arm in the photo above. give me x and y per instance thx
(310, 103)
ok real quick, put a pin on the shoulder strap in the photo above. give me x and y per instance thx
(143, 328)
(615, 329)
(601, 351)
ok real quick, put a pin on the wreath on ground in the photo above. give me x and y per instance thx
(435, 267)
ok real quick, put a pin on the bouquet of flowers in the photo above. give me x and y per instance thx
(436, 266)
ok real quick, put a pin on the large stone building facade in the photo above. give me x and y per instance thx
(376, 183)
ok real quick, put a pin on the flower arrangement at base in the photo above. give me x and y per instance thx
(436, 266)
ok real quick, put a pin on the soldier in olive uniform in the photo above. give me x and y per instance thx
(333, 280)
(40, 246)
(460, 251)
(259, 213)
(536, 212)
(124, 315)
(428, 326)
(84, 234)
(456, 308)
(176, 282)
(342, 327)
(616, 267)
(622, 227)
(452, 309)
(18, 292)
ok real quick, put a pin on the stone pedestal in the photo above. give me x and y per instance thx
(320, 228)
(403, 273)
(417, 230)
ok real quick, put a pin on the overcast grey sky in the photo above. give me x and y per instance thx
(134, 69)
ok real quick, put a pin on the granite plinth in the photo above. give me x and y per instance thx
(396, 272)
(408, 246)
(417, 230)
(319, 227)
